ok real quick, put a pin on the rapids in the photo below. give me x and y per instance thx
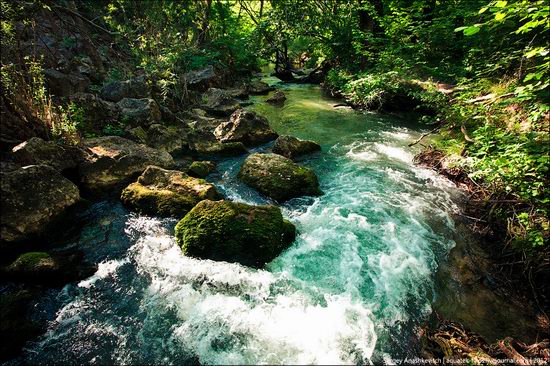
(353, 288)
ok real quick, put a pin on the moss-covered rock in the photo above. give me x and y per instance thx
(278, 98)
(201, 169)
(167, 192)
(219, 102)
(50, 269)
(234, 232)
(278, 177)
(292, 147)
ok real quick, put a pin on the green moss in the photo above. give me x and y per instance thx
(201, 169)
(29, 262)
(234, 232)
(157, 201)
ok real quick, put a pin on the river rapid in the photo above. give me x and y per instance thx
(353, 288)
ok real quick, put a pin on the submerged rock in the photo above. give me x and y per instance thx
(220, 102)
(277, 98)
(278, 177)
(139, 112)
(167, 192)
(246, 127)
(234, 232)
(292, 147)
(116, 160)
(32, 197)
(50, 269)
(201, 169)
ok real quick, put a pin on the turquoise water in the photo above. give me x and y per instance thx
(352, 289)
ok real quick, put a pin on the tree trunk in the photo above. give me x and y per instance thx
(203, 33)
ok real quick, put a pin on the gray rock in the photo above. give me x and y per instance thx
(116, 160)
(169, 139)
(36, 151)
(201, 79)
(277, 98)
(139, 112)
(32, 197)
(219, 102)
(246, 127)
(98, 113)
(136, 88)
(63, 85)
(257, 87)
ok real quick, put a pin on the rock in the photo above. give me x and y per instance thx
(117, 160)
(284, 75)
(32, 197)
(36, 151)
(136, 88)
(63, 85)
(201, 79)
(98, 113)
(234, 232)
(167, 192)
(240, 92)
(139, 112)
(277, 98)
(292, 147)
(50, 269)
(246, 127)
(169, 139)
(16, 327)
(278, 177)
(137, 134)
(218, 148)
(257, 87)
(219, 102)
(201, 169)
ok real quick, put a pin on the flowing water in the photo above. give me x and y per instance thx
(352, 289)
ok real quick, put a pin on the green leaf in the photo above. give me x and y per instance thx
(483, 10)
(499, 16)
(501, 4)
(460, 29)
(470, 31)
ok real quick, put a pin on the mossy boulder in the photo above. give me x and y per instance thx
(234, 232)
(278, 177)
(257, 87)
(278, 98)
(292, 147)
(36, 151)
(115, 161)
(31, 199)
(167, 192)
(219, 102)
(247, 127)
(201, 169)
(50, 269)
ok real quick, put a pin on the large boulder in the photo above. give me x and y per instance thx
(139, 112)
(170, 139)
(63, 85)
(219, 102)
(201, 79)
(32, 197)
(278, 177)
(36, 151)
(117, 90)
(246, 127)
(292, 147)
(98, 113)
(234, 232)
(115, 160)
(50, 269)
(167, 192)
(257, 87)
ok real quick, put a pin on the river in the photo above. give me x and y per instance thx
(353, 288)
